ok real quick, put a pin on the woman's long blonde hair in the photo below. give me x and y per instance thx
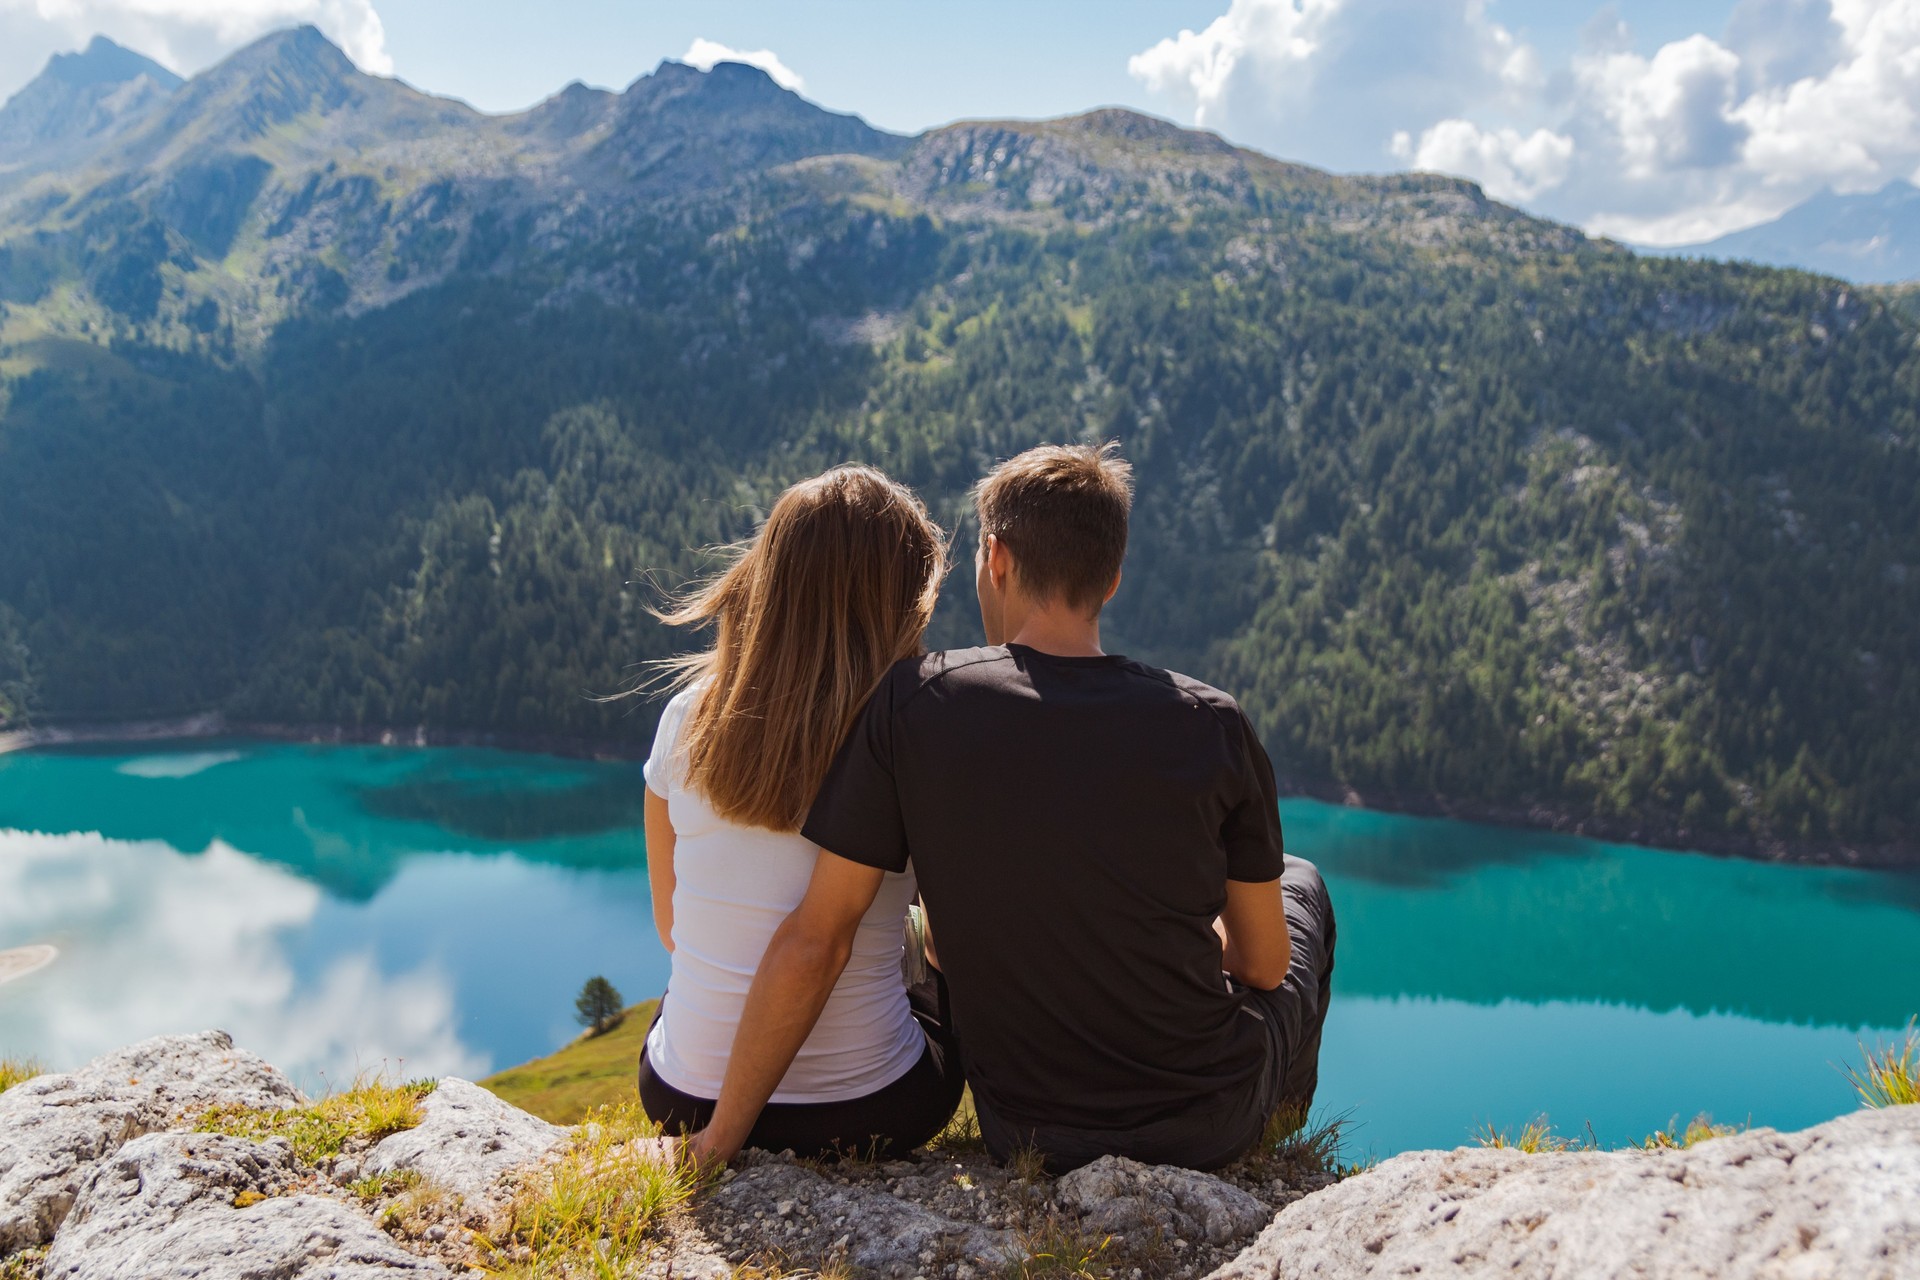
(837, 586)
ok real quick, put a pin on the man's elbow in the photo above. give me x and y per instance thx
(1266, 973)
(1263, 977)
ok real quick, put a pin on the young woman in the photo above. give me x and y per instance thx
(837, 586)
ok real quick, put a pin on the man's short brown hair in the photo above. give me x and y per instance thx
(1062, 510)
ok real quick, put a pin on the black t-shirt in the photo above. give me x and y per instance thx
(1073, 823)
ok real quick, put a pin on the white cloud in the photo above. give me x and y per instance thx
(186, 35)
(1701, 136)
(704, 53)
(1331, 82)
(1509, 164)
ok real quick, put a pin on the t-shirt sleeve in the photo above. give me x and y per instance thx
(663, 770)
(857, 815)
(1251, 833)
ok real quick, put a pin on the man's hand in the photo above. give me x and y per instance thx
(1255, 946)
(806, 957)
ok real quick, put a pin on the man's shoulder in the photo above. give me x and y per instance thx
(909, 676)
(1198, 690)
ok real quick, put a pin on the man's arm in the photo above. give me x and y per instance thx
(1255, 947)
(808, 952)
(660, 879)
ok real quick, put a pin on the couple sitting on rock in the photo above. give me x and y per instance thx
(1116, 954)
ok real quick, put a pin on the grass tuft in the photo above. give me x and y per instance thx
(15, 1071)
(962, 1134)
(592, 1212)
(1890, 1076)
(1536, 1137)
(1673, 1138)
(29, 1264)
(392, 1182)
(370, 1110)
(1297, 1146)
(1057, 1248)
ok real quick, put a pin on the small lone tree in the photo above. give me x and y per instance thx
(599, 1005)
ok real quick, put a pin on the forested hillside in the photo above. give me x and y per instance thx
(328, 402)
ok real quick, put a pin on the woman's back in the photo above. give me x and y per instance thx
(733, 886)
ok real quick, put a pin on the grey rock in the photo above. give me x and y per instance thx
(1840, 1199)
(178, 1205)
(877, 1232)
(467, 1142)
(55, 1128)
(1125, 1198)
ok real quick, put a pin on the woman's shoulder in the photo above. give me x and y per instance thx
(663, 766)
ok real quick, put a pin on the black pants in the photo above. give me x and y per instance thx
(890, 1121)
(1218, 1131)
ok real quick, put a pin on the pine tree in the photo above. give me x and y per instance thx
(599, 1005)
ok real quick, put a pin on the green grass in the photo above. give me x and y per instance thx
(593, 1071)
(15, 1071)
(1890, 1076)
(594, 1211)
(369, 1110)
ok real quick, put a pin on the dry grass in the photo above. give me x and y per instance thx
(1673, 1138)
(1536, 1137)
(26, 1265)
(15, 1071)
(593, 1213)
(1890, 1076)
(1296, 1146)
(1058, 1248)
(962, 1134)
(367, 1112)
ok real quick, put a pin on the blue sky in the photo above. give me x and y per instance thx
(1664, 122)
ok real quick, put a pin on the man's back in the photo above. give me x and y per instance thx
(1073, 822)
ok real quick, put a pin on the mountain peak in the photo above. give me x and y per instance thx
(103, 62)
(66, 113)
(1869, 237)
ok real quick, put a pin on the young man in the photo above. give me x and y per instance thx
(1135, 967)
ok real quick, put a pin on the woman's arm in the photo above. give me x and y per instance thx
(660, 866)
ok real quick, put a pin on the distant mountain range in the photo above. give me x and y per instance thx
(328, 402)
(78, 104)
(1869, 239)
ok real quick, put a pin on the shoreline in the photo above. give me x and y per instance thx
(1534, 817)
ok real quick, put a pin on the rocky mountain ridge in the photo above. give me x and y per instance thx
(112, 1171)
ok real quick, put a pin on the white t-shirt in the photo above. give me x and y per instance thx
(733, 885)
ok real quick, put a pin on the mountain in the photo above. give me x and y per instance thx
(326, 402)
(1869, 239)
(80, 101)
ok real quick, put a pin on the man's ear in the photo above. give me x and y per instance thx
(999, 561)
(1110, 590)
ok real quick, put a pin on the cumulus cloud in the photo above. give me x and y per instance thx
(185, 35)
(1509, 164)
(1331, 82)
(704, 53)
(1697, 137)
(153, 941)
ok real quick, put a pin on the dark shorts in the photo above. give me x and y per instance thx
(1218, 1131)
(890, 1121)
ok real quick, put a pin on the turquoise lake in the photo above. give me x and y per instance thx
(341, 909)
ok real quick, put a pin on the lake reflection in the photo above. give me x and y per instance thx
(345, 908)
(337, 909)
